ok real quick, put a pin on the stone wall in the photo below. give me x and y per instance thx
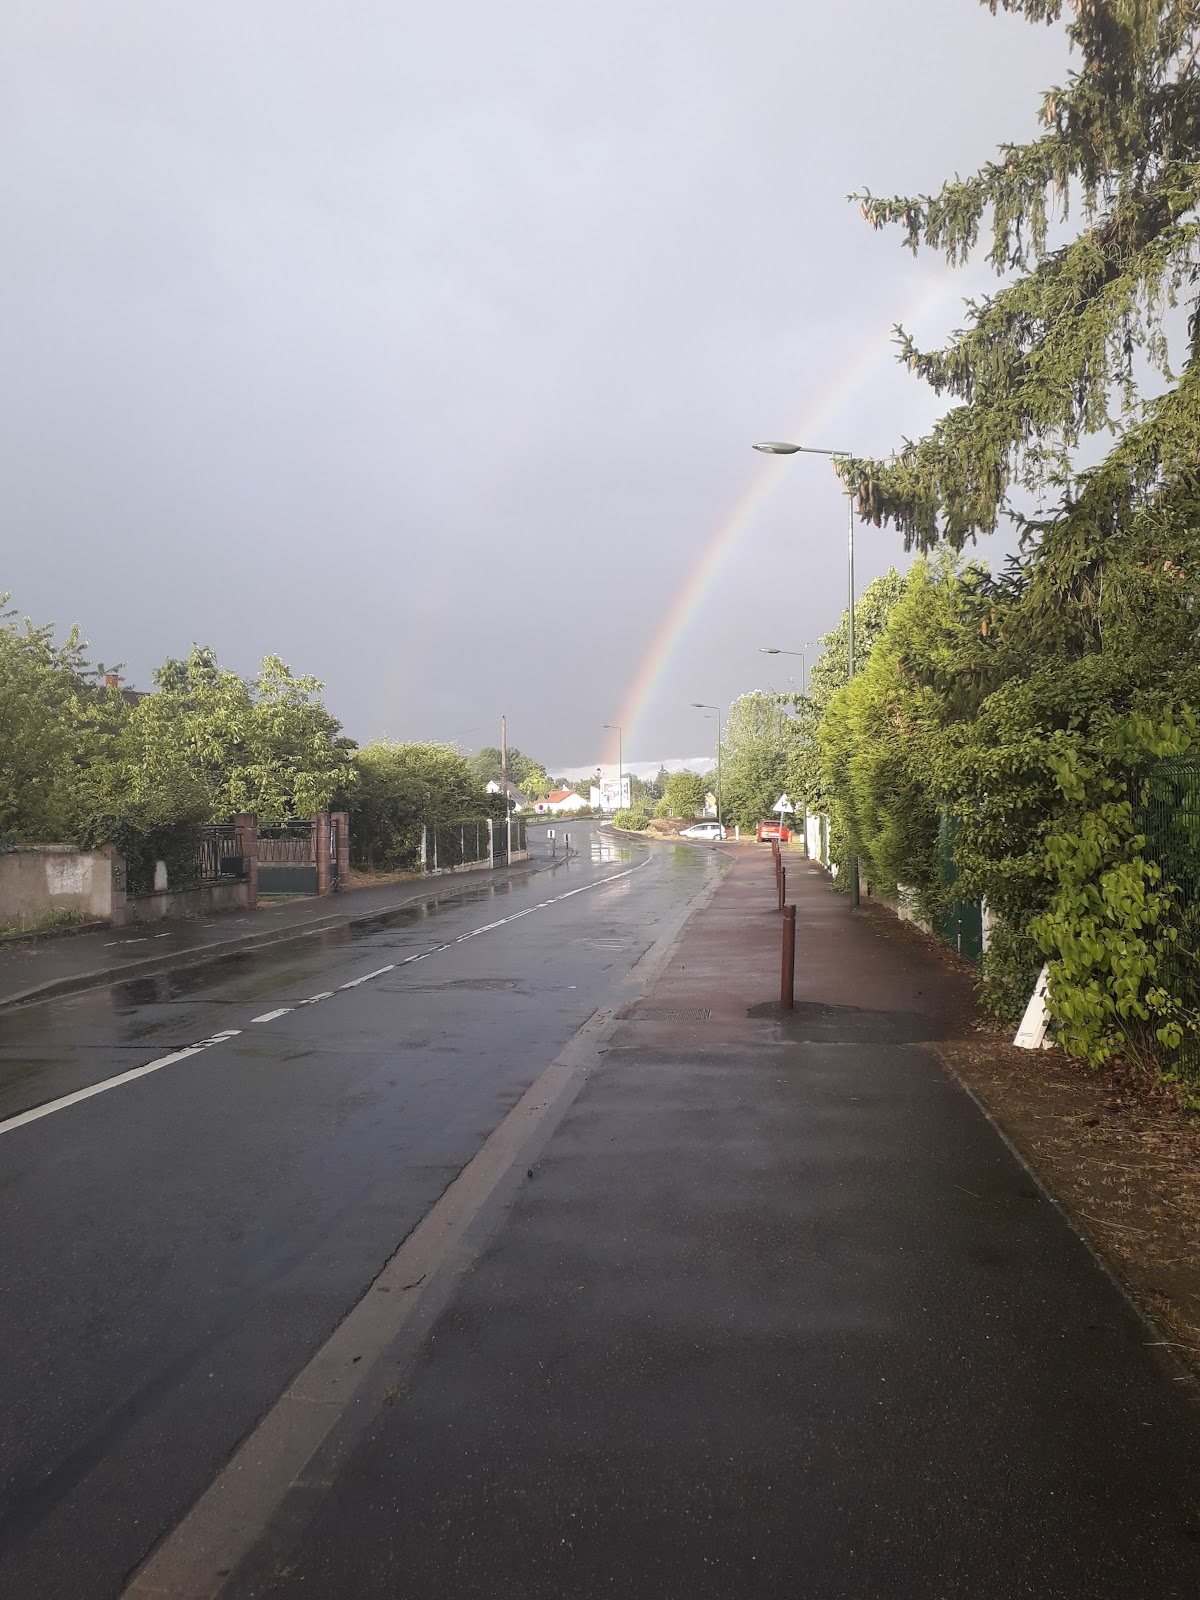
(37, 880)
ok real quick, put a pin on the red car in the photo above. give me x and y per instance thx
(774, 830)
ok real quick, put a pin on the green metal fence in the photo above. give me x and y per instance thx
(961, 927)
(1167, 812)
(457, 844)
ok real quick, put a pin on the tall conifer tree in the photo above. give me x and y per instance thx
(1056, 354)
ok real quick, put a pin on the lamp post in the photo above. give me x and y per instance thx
(767, 650)
(616, 726)
(702, 705)
(777, 447)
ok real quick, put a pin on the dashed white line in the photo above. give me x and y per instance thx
(282, 1011)
(112, 1083)
(367, 976)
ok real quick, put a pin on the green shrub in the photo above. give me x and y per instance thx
(636, 819)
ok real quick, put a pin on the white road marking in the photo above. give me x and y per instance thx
(270, 1016)
(367, 976)
(112, 1083)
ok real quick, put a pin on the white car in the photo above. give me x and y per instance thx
(703, 830)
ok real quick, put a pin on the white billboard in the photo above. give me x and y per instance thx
(611, 794)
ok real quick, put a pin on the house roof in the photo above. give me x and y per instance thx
(556, 795)
(511, 790)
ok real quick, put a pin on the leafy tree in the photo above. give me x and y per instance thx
(399, 788)
(754, 758)
(805, 771)
(528, 775)
(657, 787)
(46, 695)
(267, 746)
(685, 793)
(880, 738)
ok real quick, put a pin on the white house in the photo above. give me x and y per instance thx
(519, 801)
(560, 800)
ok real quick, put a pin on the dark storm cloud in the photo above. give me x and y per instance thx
(424, 346)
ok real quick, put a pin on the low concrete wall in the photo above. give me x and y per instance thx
(463, 866)
(36, 880)
(187, 902)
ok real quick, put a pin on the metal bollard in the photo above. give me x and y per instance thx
(782, 887)
(787, 976)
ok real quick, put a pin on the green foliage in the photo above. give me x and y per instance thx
(1027, 708)
(754, 758)
(641, 793)
(805, 772)
(530, 776)
(1050, 358)
(1107, 927)
(685, 793)
(636, 818)
(266, 745)
(48, 697)
(876, 741)
(399, 788)
(663, 808)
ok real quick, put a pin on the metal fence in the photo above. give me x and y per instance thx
(458, 844)
(287, 857)
(286, 843)
(1167, 812)
(218, 856)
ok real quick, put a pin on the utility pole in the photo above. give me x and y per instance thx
(504, 790)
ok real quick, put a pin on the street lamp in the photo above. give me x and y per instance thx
(777, 447)
(766, 650)
(616, 726)
(702, 705)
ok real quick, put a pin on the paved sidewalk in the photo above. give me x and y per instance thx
(779, 1315)
(38, 969)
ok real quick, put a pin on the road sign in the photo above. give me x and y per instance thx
(783, 804)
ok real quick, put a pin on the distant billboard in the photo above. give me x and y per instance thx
(613, 795)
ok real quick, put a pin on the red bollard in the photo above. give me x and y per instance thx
(787, 976)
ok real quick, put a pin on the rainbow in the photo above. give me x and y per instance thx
(738, 522)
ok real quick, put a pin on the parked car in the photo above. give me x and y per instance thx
(774, 829)
(703, 830)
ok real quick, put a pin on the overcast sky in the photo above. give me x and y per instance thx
(424, 345)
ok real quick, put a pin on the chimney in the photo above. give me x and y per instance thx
(112, 680)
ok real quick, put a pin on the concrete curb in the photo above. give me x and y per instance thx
(217, 950)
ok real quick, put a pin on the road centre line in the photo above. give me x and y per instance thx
(111, 1083)
(366, 977)
(66, 1100)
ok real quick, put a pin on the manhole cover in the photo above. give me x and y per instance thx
(669, 1014)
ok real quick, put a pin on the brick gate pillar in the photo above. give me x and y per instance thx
(342, 818)
(321, 831)
(245, 829)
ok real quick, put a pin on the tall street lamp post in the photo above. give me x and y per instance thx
(766, 650)
(701, 705)
(616, 727)
(776, 447)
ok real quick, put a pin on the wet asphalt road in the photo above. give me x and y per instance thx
(175, 1248)
(780, 1317)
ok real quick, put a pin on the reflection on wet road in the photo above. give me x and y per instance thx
(176, 1248)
